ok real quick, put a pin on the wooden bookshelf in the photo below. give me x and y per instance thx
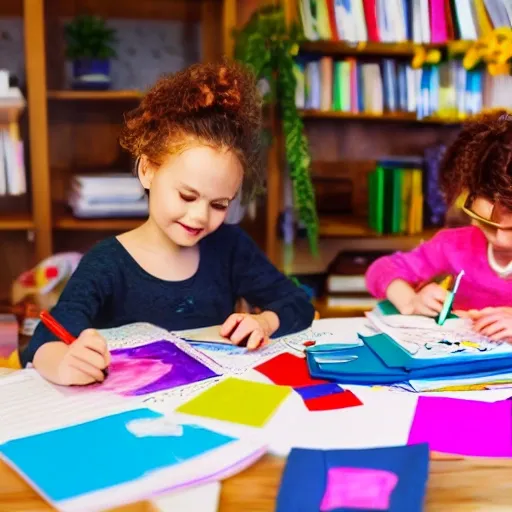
(406, 49)
(10, 110)
(16, 222)
(70, 95)
(350, 226)
(405, 117)
(67, 222)
(71, 131)
(303, 263)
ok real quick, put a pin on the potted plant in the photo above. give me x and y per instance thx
(90, 47)
(268, 46)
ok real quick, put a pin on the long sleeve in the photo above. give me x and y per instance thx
(262, 285)
(425, 262)
(88, 289)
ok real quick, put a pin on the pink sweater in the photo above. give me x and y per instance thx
(448, 252)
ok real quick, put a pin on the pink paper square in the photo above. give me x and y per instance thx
(363, 488)
(463, 427)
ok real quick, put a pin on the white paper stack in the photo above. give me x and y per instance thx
(107, 195)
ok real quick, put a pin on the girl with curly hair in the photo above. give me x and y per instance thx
(477, 165)
(196, 141)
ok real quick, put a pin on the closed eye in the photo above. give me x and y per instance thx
(187, 198)
(220, 206)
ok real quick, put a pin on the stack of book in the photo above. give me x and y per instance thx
(107, 195)
(345, 286)
(13, 180)
(395, 199)
(394, 21)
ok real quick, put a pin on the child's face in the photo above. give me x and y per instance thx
(495, 221)
(190, 192)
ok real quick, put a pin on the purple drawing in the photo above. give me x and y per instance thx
(358, 488)
(153, 367)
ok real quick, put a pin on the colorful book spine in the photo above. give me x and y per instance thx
(394, 21)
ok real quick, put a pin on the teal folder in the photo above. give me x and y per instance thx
(378, 361)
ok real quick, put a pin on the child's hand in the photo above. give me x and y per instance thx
(495, 323)
(428, 301)
(84, 361)
(242, 326)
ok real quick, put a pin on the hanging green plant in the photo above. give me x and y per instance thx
(269, 47)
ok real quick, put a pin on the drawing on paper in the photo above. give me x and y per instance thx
(157, 366)
(423, 337)
(358, 488)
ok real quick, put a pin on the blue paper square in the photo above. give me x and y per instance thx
(305, 479)
(318, 390)
(84, 458)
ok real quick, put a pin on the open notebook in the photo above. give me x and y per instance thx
(207, 345)
(91, 451)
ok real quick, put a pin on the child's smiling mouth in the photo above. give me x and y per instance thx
(190, 230)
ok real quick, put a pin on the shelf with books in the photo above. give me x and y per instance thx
(330, 245)
(72, 95)
(67, 222)
(405, 49)
(407, 117)
(337, 226)
(64, 220)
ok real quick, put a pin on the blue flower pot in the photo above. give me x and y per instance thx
(91, 74)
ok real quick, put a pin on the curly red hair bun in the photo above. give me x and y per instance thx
(213, 104)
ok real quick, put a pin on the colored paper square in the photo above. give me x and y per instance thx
(462, 426)
(332, 402)
(308, 392)
(330, 480)
(113, 455)
(288, 370)
(238, 401)
(358, 488)
(155, 366)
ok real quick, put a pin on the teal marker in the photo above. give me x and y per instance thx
(448, 303)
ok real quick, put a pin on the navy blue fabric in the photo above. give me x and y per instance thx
(109, 289)
(305, 475)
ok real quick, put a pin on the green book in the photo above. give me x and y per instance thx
(336, 88)
(397, 206)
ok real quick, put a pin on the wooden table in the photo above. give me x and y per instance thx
(454, 485)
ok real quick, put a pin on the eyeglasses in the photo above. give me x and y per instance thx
(469, 209)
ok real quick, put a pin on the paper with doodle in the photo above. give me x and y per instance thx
(237, 360)
(423, 339)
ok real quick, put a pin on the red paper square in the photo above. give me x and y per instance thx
(288, 370)
(331, 402)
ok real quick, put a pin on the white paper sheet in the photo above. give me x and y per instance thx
(328, 330)
(204, 498)
(424, 342)
(384, 419)
(225, 462)
(233, 359)
(30, 405)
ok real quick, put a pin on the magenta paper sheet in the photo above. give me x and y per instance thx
(463, 427)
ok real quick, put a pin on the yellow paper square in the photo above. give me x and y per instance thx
(238, 401)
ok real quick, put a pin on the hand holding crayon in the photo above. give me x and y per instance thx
(87, 357)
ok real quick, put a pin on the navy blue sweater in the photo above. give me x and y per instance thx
(109, 289)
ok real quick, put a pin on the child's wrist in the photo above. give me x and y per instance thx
(269, 322)
(401, 294)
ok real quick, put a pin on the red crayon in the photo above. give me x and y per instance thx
(59, 331)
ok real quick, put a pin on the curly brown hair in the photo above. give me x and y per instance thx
(480, 159)
(215, 104)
